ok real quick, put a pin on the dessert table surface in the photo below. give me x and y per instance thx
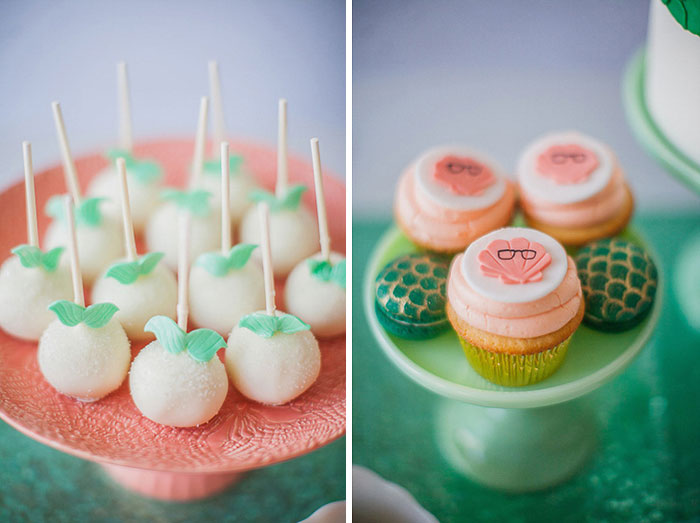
(646, 466)
(43, 484)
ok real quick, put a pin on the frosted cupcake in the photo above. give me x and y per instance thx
(450, 196)
(515, 299)
(572, 188)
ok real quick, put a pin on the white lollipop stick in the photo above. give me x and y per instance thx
(320, 202)
(225, 208)
(218, 121)
(183, 272)
(129, 240)
(32, 229)
(264, 212)
(126, 136)
(201, 138)
(69, 170)
(282, 175)
(77, 275)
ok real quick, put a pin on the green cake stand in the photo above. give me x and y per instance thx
(513, 439)
(686, 279)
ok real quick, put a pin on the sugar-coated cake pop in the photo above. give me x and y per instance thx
(272, 357)
(177, 380)
(144, 175)
(292, 227)
(141, 287)
(242, 182)
(98, 233)
(162, 227)
(31, 280)
(84, 353)
(315, 289)
(225, 285)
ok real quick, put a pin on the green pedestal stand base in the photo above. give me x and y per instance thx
(513, 439)
(516, 450)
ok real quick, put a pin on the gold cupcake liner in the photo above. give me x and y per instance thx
(515, 370)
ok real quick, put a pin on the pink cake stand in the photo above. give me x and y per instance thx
(154, 460)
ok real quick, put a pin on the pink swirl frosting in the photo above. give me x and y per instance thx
(515, 320)
(444, 228)
(597, 209)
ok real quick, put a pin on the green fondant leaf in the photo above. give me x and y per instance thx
(338, 274)
(290, 324)
(195, 201)
(55, 207)
(98, 314)
(260, 323)
(68, 313)
(148, 262)
(167, 332)
(290, 201)
(219, 265)
(325, 271)
(320, 269)
(202, 344)
(87, 212)
(50, 259)
(128, 272)
(124, 272)
(214, 263)
(293, 196)
(144, 171)
(29, 256)
(266, 326)
(240, 254)
(213, 167)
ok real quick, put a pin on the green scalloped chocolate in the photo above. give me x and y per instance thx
(410, 296)
(619, 281)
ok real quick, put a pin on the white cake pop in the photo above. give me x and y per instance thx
(225, 285)
(272, 357)
(178, 380)
(85, 352)
(162, 229)
(140, 286)
(31, 280)
(242, 182)
(315, 289)
(98, 233)
(292, 228)
(144, 175)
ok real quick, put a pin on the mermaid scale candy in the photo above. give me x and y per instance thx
(411, 296)
(619, 281)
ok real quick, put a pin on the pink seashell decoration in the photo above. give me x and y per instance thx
(516, 261)
(567, 164)
(463, 175)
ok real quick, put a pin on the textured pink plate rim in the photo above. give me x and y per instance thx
(244, 435)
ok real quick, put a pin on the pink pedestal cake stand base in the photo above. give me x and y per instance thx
(154, 460)
(170, 486)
